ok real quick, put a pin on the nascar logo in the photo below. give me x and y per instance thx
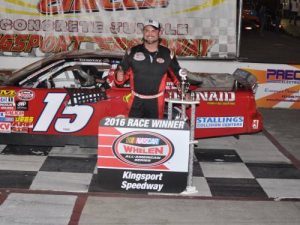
(143, 148)
(25, 95)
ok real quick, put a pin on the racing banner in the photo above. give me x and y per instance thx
(192, 28)
(143, 155)
(279, 85)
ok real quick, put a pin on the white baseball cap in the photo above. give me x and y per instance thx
(152, 23)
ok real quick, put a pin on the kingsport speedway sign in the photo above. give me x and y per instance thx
(143, 155)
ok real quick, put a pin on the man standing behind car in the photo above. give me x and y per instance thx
(294, 11)
(147, 66)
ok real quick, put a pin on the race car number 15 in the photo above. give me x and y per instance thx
(53, 102)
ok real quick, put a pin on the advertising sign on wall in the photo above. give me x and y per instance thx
(279, 85)
(143, 155)
(193, 28)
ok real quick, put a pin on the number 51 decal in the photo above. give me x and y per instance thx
(65, 125)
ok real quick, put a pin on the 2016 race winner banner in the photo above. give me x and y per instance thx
(143, 155)
(192, 28)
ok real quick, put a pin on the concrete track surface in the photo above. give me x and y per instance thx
(251, 180)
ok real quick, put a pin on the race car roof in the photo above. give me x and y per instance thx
(78, 55)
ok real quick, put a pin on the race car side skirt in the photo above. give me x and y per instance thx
(48, 140)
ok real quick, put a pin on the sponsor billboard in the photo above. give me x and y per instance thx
(192, 28)
(143, 155)
(279, 85)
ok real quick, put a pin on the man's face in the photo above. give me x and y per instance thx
(151, 35)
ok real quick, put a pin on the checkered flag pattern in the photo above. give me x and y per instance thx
(222, 167)
(223, 34)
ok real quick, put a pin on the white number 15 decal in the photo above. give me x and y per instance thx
(53, 102)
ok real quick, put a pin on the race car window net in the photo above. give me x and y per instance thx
(79, 96)
(65, 79)
(73, 74)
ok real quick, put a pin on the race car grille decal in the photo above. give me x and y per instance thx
(83, 96)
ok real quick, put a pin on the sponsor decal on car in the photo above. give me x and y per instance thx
(5, 107)
(126, 98)
(214, 97)
(14, 113)
(7, 93)
(6, 119)
(219, 122)
(7, 101)
(143, 149)
(22, 105)
(5, 127)
(25, 95)
(22, 124)
(255, 124)
(24, 119)
(19, 129)
(3, 118)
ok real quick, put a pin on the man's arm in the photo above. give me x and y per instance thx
(121, 74)
(174, 69)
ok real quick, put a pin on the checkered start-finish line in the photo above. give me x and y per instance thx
(249, 167)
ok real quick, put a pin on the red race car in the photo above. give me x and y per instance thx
(61, 99)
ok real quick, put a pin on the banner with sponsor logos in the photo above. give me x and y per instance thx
(279, 85)
(193, 28)
(143, 155)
